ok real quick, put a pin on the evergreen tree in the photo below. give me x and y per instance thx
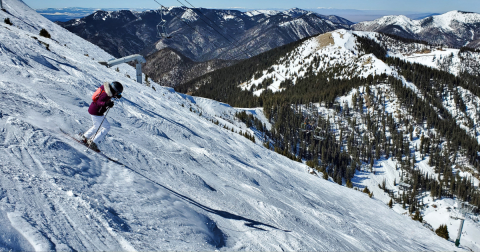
(349, 184)
(44, 33)
(7, 21)
(418, 216)
(325, 175)
(442, 231)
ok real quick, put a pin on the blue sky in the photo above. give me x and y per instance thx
(397, 5)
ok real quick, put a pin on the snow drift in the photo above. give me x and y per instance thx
(187, 183)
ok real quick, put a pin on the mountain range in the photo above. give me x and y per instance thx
(201, 34)
(69, 13)
(205, 34)
(369, 15)
(453, 29)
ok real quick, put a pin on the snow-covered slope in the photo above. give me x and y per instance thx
(454, 28)
(340, 49)
(333, 49)
(187, 184)
(454, 61)
(446, 59)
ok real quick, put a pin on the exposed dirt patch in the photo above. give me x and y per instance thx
(424, 51)
(368, 61)
(325, 40)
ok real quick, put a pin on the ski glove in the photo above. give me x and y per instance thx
(118, 96)
(110, 104)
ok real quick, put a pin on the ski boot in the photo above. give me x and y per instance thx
(83, 138)
(93, 146)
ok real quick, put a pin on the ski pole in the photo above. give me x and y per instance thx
(99, 127)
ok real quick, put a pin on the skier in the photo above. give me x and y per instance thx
(101, 102)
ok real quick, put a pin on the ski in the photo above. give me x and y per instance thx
(99, 153)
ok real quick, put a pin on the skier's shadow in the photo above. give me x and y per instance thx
(248, 222)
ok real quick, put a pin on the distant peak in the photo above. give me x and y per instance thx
(296, 12)
(398, 17)
(296, 9)
(459, 13)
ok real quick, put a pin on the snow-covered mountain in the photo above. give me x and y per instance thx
(337, 48)
(340, 48)
(186, 184)
(356, 16)
(201, 34)
(454, 28)
(340, 55)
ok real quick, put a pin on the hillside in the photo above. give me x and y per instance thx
(454, 61)
(367, 109)
(453, 29)
(170, 68)
(474, 44)
(186, 184)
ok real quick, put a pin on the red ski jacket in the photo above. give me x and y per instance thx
(99, 107)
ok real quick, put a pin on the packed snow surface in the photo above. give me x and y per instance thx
(186, 184)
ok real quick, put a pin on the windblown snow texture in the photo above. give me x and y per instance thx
(188, 184)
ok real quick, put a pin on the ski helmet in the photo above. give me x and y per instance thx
(116, 87)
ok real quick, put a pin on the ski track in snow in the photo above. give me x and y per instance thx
(187, 183)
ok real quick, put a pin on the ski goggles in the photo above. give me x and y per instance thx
(116, 91)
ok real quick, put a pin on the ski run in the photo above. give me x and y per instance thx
(186, 184)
